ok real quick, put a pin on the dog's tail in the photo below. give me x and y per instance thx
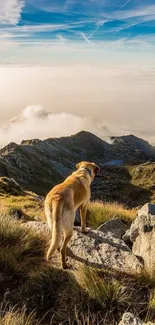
(54, 217)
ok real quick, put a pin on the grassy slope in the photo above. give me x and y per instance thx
(144, 176)
(34, 291)
(100, 213)
(130, 185)
(27, 206)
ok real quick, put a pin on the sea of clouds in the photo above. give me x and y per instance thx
(105, 100)
(35, 122)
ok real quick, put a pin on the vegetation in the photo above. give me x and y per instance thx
(26, 207)
(17, 317)
(100, 212)
(144, 176)
(35, 292)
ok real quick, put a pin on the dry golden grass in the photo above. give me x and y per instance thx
(83, 297)
(62, 297)
(17, 317)
(29, 204)
(100, 212)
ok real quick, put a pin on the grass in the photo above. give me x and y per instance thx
(100, 212)
(28, 206)
(17, 317)
(144, 176)
(34, 289)
(20, 251)
(35, 292)
(118, 292)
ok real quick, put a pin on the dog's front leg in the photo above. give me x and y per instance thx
(83, 213)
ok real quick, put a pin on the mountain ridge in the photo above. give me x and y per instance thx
(37, 165)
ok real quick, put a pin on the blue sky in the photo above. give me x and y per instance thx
(76, 31)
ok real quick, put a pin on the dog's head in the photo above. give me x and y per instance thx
(91, 167)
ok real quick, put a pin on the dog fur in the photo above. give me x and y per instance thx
(62, 202)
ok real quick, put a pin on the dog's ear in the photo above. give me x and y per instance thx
(96, 169)
(78, 165)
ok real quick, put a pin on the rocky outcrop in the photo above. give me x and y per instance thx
(96, 249)
(130, 319)
(10, 186)
(142, 236)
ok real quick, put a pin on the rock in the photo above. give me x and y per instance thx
(96, 249)
(100, 250)
(145, 222)
(38, 226)
(147, 209)
(144, 246)
(142, 235)
(130, 319)
(10, 186)
(126, 237)
(115, 226)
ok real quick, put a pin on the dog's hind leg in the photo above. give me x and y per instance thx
(68, 224)
(56, 220)
(83, 213)
(63, 250)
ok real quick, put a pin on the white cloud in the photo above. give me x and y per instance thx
(35, 122)
(119, 98)
(10, 11)
(36, 28)
(68, 4)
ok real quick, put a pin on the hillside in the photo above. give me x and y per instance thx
(38, 165)
(105, 279)
(111, 276)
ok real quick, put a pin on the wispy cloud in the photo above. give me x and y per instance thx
(68, 4)
(121, 7)
(100, 24)
(86, 38)
(37, 28)
(76, 24)
(10, 11)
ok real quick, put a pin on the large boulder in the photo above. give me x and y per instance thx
(116, 227)
(95, 249)
(130, 319)
(142, 236)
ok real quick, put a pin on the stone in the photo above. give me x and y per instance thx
(144, 247)
(148, 208)
(142, 236)
(145, 222)
(96, 249)
(10, 186)
(116, 227)
(130, 319)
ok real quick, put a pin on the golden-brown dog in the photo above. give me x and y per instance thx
(62, 202)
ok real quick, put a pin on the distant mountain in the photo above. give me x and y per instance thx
(38, 165)
(133, 143)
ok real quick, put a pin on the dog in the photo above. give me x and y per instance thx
(62, 202)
